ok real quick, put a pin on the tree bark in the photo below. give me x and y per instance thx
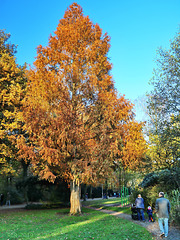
(85, 190)
(25, 166)
(75, 198)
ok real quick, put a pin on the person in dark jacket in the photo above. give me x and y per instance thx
(140, 207)
(150, 214)
(2, 198)
(162, 208)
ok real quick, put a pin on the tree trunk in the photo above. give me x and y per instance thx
(25, 166)
(91, 193)
(85, 190)
(75, 198)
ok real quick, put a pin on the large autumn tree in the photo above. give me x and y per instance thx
(77, 125)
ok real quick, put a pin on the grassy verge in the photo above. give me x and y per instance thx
(57, 224)
(96, 203)
(105, 204)
(126, 210)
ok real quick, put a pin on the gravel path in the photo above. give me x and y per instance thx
(152, 227)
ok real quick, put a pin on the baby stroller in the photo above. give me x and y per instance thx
(134, 212)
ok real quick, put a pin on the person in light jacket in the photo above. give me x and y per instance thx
(140, 207)
(162, 208)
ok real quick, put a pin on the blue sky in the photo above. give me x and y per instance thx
(136, 27)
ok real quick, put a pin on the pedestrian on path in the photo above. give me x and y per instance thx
(162, 209)
(8, 199)
(2, 199)
(140, 207)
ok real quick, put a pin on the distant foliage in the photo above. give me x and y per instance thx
(160, 178)
(42, 190)
(164, 108)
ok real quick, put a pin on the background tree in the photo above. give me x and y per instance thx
(11, 93)
(12, 90)
(164, 128)
(76, 123)
(164, 107)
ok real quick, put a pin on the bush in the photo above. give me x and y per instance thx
(174, 199)
(152, 193)
(149, 195)
(58, 192)
(160, 178)
(144, 195)
(15, 196)
(42, 190)
(32, 186)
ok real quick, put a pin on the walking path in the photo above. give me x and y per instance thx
(18, 206)
(174, 233)
(152, 227)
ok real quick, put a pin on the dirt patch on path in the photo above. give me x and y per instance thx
(152, 227)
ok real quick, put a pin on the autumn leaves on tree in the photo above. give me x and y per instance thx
(78, 127)
(12, 90)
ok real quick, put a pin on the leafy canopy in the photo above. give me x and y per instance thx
(77, 125)
(164, 107)
(12, 87)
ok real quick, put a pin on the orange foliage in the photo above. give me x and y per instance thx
(77, 124)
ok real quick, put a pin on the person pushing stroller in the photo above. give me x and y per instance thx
(140, 207)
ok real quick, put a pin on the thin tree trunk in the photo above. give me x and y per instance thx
(90, 195)
(75, 198)
(25, 166)
(85, 190)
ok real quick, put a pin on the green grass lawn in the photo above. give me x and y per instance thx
(96, 203)
(58, 224)
(126, 210)
(103, 204)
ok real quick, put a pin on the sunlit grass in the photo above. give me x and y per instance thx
(126, 210)
(58, 224)
(105, 204)
(102, 202)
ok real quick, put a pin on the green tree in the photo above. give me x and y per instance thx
(164, 108)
